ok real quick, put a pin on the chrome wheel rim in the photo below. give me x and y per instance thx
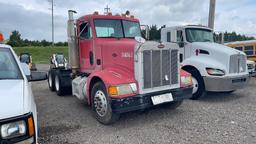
(195, 85)
(57, 85)
(100, 103)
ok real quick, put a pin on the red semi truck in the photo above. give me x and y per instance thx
(115, 70)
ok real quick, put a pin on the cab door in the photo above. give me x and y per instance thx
(85, 43)
(180, 42)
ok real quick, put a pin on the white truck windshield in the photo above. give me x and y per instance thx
(199, 35)
(116, 28)
(8, 66)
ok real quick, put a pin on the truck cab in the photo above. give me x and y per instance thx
(115, 70)
(18, 114)
(214, 67)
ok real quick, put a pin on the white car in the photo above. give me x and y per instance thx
(18, 115)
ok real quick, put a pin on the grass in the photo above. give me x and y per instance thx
(41, 55)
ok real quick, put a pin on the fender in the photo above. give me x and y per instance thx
(110, 77)
(202, 62)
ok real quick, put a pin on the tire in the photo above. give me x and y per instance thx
(101, 105)
(198, 85)
(60, 90)
(173, 105)
(51, 80)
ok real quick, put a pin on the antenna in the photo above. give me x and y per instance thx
(106, 10)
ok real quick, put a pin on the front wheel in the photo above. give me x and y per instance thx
(101, 105)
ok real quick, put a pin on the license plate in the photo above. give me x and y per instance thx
(162, 98)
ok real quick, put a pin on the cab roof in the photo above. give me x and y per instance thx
(5, 46)
(189, 26)
(116, 17)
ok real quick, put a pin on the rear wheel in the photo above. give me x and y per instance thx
(101, 105)
(198, 85)
(60, 90)
(51, 82)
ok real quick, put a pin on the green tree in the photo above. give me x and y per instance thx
(15, 39)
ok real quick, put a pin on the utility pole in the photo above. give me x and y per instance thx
(211, 14)
(52, 8)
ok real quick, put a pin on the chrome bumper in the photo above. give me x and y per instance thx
(225, 84)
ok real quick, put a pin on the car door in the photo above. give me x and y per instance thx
(86, 48)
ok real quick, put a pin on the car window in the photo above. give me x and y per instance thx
(8, 65)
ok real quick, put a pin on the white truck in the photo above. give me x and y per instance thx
(18, 114)
(214, 67)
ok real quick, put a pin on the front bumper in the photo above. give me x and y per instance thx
(144, 101)
(225, 84)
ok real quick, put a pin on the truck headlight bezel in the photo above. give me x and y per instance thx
(123, 89)
(18, 129)
(215, 72)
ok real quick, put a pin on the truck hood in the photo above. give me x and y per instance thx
(118, 54)
(11, 98)
(216, 48)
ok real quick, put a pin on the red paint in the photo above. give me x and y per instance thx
(116, 56)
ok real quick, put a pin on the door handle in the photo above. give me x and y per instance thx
(91, 57)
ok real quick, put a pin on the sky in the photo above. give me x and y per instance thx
(32, 18)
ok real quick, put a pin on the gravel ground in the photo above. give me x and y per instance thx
(216, 118)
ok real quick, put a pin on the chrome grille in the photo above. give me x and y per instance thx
(174, 66)
(160, 68)
(237, 63)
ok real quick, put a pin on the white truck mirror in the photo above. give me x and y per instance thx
(25, 69)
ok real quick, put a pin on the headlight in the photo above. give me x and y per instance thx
(186, 81)
(122, 89)
(215, 72)
(14, 129)
(20, 130)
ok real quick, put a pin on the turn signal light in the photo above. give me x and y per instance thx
(31, 128)
(112, 90)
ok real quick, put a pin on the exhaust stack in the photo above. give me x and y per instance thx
(72, 43)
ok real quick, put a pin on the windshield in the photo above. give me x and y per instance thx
(24, 58)
(116, 28)
(8, 66)
(199, 35)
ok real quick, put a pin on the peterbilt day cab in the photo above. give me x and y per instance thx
(115, 70)
(214, 67)
(18, 114)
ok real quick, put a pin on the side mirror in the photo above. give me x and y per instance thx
(37, 76)
(25, 69)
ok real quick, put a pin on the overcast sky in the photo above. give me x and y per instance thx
(32, 18)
